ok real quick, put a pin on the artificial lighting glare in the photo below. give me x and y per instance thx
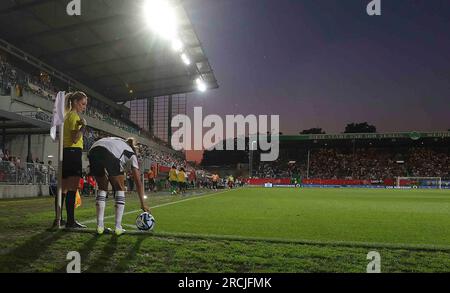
(50, 156)
(160, 17)
(201, 85)
(145, 197)
(177, 45)
(185, 59)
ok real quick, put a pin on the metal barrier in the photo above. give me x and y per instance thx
(14, 173)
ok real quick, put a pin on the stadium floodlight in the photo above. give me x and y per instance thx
(200, 85)
(185, 59)
(177, 45)
(161, 18)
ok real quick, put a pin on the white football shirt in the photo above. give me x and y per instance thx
(121, 150)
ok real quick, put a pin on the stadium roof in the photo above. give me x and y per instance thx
(108, 48)
(414, 135)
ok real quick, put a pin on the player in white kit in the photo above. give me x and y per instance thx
(109, 159)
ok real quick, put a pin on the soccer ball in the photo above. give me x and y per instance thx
(145, 222)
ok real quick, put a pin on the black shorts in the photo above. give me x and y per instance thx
(72, 166)
(100, 159)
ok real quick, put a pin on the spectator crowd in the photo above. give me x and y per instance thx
(15, 79)
(363, 163)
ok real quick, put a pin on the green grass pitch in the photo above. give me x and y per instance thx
(244, 230)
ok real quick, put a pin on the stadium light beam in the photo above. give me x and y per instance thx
(161, 18)
(185, 59)
(177, 45)
(201, 85)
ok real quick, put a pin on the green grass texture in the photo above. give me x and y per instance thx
(243, 230)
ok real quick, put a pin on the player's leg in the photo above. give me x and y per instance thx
(152, 185)
(72, 171)
(97, 158)
(173, 185)
(100, 202)
(73, 182)
(118, 182)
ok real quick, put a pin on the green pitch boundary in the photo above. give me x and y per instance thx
(197, 196)
(351, 244)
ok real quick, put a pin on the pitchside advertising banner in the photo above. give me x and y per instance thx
(336, 183)
(412, 135)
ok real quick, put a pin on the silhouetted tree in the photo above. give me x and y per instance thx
(360, 128)
(313, 131)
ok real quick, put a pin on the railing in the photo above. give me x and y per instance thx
(38, 115)
(12, 173)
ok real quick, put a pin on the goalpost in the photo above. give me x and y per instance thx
(430, 182)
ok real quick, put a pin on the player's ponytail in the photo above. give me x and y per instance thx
(131, 141)
(68, 103)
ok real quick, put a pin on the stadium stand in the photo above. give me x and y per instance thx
(32, 96)
(114, 49)
(342, 158)
(364, 163)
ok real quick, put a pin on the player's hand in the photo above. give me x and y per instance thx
(145, 208)
(82, 122)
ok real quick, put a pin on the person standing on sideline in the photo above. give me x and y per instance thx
(181, 180)
(151, 180)
(173, 179)
(215, 181)
(74, 128)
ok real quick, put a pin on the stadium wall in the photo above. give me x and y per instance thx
(42, 147)
(29, 102)
(238, 170)
(335, 183)
(32, 100)
(23, 191)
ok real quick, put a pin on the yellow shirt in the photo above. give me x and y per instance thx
(181, 176)
(70, 124)
(173, 175)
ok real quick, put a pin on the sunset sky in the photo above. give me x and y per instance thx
(326, 63)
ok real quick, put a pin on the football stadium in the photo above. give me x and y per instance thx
(77, 195)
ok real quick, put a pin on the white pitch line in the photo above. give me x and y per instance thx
(159, 206)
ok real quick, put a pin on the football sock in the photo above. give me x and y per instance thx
(100, 205)
(70, 206)
(120, 207)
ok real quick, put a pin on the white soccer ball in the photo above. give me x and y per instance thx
(145, 222)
